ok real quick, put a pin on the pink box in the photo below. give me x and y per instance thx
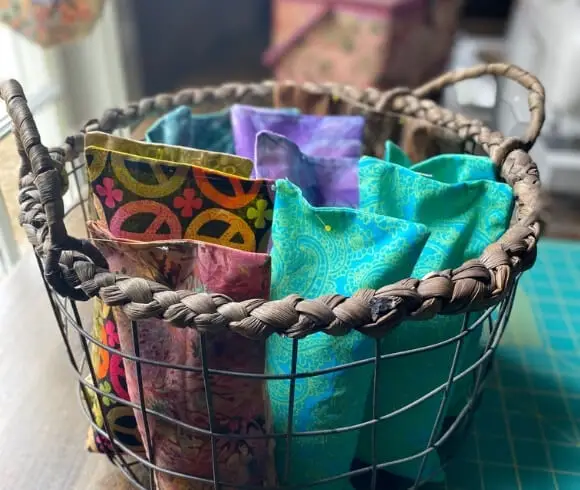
(381, 43)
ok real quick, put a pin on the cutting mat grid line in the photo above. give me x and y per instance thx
(526, 434)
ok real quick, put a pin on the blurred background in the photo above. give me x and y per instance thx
(127, 49)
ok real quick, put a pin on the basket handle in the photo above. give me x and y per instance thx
(39, 174)
(536, 94)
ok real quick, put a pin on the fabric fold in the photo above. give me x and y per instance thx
(324, 181)
(463, 218)
(322, 136)
(319, 251)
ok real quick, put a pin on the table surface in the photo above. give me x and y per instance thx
(527, 432)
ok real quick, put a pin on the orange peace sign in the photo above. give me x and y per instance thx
(237, 226)
(163, 216)
(240, 198)
(103, 362)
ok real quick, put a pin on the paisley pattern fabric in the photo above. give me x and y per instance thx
(153, 192)
(181, 127)
(448, 168)
(319, 251)
(324, 181)
(111, 378)
(321, 136)
(463, 218)
(238, 403)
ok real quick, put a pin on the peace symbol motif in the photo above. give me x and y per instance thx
(128, 435)
(167, 182)
(237, 226)
(103, 361)
(241, 198)
(163, 216)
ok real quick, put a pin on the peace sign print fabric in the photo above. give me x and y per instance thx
(150, 192)
(111, 378)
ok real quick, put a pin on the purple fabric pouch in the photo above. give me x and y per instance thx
(324, 181)
(321, 136)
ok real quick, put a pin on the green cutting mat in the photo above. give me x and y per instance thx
(526, 434)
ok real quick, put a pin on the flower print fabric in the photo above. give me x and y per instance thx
(153, 192)
(238, 403)
(324, 181)
(211, 132)
(463, 217)
(318, 251)
(321, 136)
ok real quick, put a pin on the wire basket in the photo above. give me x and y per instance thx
(75, 271)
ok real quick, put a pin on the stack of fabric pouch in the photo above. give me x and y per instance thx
(319, 251)
(465, 210)
(149, 198)
(211, 132)
(323, 136)
(324, 181)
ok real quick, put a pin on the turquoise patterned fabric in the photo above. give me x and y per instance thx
(463, 217)
(318, 251)
(445, 168)
(181, 127)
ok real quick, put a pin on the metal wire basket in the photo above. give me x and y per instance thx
(75, 271)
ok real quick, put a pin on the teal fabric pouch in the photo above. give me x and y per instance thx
(448, 168)
(212, 131)
(465, 210)
(181, 127)
(319, 251)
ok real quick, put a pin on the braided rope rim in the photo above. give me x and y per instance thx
(75, 268)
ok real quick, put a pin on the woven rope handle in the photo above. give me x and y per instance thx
(75, 268)
(536, 94)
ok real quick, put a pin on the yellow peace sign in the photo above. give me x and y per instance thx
(114, 415)
(237, 226)
(96, 159)
(165, 186)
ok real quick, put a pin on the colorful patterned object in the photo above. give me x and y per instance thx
(211, 132)
(181, 127)
(111, 378)
(321, 136)
(51, 22)
(153, 192)
(331, 181)
(463, 219)
(238, 403)
(319, 251)
(450, 169)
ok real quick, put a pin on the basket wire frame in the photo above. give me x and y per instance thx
(78, 337)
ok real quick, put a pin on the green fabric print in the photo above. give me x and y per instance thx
(318, 251)
(463, 218)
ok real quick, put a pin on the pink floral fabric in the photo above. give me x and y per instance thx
(238, 403)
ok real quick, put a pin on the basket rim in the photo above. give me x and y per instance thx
(74, 268)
